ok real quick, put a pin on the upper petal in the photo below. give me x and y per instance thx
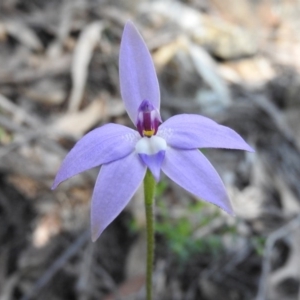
(116, 184)
(188, 131)
(102, 145)
(191, 170)
(138, 78)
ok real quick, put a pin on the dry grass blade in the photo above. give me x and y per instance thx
(24, 34)
(17, 112)
(280, 233)
(58, 264)
(208, 70)
(86, 44)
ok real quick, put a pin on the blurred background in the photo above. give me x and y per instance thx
(235, 61)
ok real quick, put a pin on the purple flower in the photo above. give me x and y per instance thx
(171, 146)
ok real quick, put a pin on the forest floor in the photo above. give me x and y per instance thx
(235, 61)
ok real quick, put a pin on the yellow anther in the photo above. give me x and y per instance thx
(148, 133)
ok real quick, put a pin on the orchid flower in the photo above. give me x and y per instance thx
(171, 146)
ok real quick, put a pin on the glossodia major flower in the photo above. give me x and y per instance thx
(171, 146)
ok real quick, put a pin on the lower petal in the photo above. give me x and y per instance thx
(116, 184)
(191, 170)
(153, 162)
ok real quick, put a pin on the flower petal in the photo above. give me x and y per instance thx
(102, 145)
(138, 78)
(188, 131)
(116, 184)
(154, 162)
(191, 170)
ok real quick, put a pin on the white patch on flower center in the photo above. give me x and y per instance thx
(150, 145)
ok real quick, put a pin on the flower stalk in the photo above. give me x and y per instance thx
(149, 193)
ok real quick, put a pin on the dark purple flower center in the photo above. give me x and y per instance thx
(148, 119)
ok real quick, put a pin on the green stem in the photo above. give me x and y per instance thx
(149, 192)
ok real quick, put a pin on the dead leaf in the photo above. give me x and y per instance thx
(75, 124)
